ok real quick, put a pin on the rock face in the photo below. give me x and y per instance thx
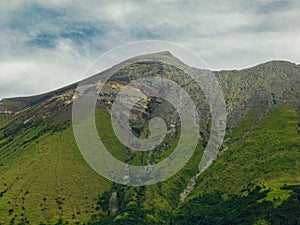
(262, 86)
(114, 204)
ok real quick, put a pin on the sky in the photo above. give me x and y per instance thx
(45, 45)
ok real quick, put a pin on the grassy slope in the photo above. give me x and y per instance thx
(49, 181)
(52, 168)
(268, 154)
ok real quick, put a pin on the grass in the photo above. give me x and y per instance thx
(50, 181)
(269, 154)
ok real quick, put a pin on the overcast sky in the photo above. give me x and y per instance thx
(48, 44)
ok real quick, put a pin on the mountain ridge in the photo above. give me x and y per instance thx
(31, 98)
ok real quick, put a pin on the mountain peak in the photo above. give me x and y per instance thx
(276, 64)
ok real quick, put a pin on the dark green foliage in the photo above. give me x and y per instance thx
(103, 201)
(212, 209)
(289, 211)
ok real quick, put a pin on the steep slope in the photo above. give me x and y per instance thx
(44, 179)
(256, 181)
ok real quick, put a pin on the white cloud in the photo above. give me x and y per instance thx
(235, 34)
(40, 73)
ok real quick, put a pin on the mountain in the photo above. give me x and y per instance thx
(255, 179)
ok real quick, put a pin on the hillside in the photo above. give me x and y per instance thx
(45, 180)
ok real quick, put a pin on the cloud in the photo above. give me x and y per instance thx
(48, 44)
(35, 75)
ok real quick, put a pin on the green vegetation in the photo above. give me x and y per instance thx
(269, 153)
(213, 209)
(48, 182)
